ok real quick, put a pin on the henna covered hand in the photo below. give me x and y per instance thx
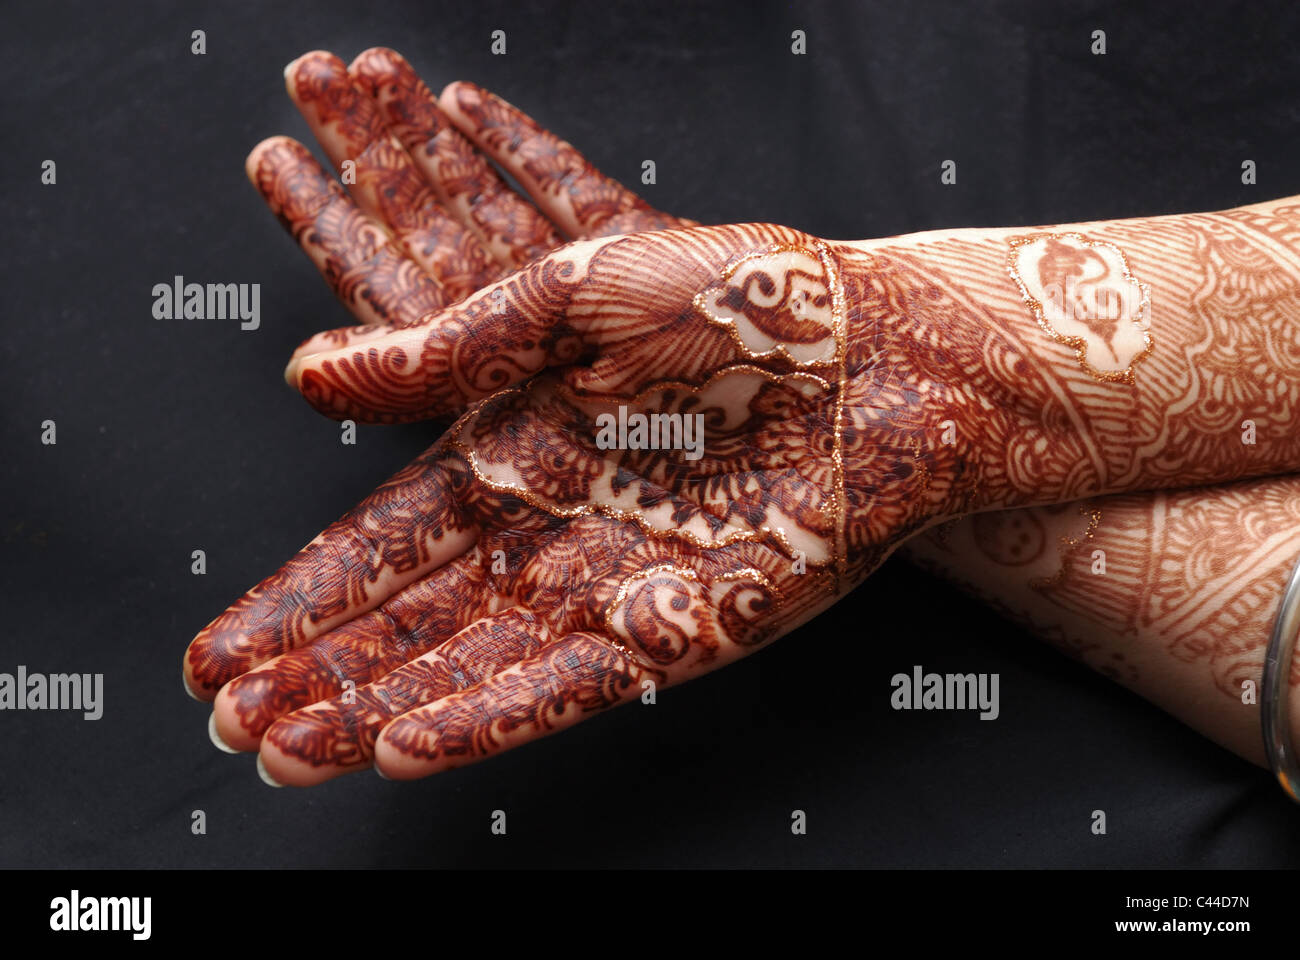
(555, 552)
(426, 219)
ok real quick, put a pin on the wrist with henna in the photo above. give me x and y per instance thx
(1119, 355)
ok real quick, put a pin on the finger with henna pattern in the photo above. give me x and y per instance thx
(409, 526)
(338, 735)
(362, 264)
(580, 199)
(411, 622)
(560, 685)
(337, 339)
(511, 228)
(387, 184)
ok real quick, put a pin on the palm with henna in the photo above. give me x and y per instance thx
(813, 405)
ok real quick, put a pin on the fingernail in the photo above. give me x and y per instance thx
(289, 83)
(381, 773)
(291, 372)
(216, 737)
(185, 683)
(267, 779)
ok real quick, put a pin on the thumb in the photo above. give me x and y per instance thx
(622, 312)
(440, 364)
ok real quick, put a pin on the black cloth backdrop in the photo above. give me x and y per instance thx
(178, 435)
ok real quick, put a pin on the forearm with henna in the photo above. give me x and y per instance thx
(1172, 594)
(1192, 377)
(1188, 580)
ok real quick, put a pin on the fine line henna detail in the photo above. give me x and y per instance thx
(403, 256)
(384, 180)
(1172, 594)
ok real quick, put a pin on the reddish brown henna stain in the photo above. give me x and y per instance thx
(600, 206)
(387, 182)
(365, 269)
(464, 179)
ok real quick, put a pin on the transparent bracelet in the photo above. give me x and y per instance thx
(1275, 709)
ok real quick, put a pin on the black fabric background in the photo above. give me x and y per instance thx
(176, 435)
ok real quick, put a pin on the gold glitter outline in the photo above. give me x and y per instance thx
(1066, 546)
(758, 535)
(839, 519)
(1080, 344)
(663, 386)
(778, 349)
(692, 575)
(839, 503)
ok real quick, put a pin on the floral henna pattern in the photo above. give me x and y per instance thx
(1186, 583)
(1083, 293)
(408, 526)
(431, 222)
(580, 675)
(460, 367)
(1170, 593)
(341, 732)
(364, 649)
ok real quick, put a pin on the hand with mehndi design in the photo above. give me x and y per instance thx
(524, 573)
(426, 220)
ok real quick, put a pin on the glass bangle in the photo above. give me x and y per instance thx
(1275, 709)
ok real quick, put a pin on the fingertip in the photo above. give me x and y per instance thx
(193, 686)
(254, 159)
(376, 62)
(262, 772)
(215, 736)
(226, 725)
(314, 70)
(310, 60)
(449, 98)
(291, 73)
(282, 769)
(189, 691)
(393, 764)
